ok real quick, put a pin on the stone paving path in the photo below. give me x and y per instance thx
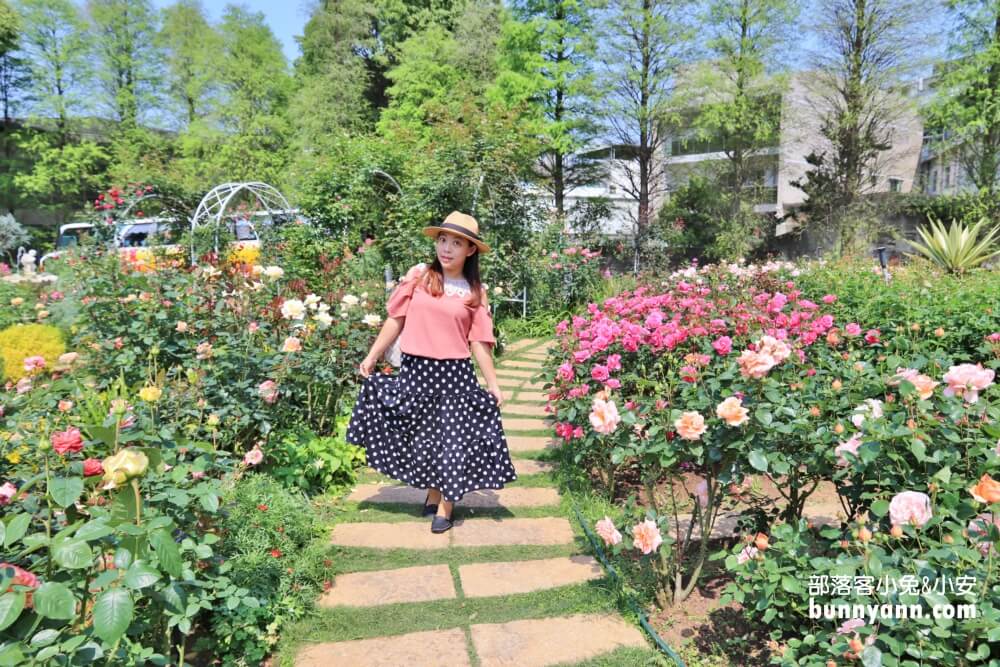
(526, 642)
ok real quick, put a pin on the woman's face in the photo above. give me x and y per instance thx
(452, 250)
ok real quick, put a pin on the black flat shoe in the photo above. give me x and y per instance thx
(429, 510)
(440, 524)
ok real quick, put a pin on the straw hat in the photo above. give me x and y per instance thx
(462, 225)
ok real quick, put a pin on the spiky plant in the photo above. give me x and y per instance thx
(959, 248)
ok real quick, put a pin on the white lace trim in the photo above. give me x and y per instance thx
(456, 288)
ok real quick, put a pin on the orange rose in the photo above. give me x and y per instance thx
(761, 542)
(690, 425)
(987, 490)
(732, 411)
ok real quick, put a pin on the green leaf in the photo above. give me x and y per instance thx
(54, 600)
(141, 575)
(791, 585)
(944, 474)
(209, 501)
(11, 605)
(11, 655)
(871, 657)
(167, 551)
(94, 530)
(919, 450)
(113, 612)
(65, 490)
(46, 653)
(880, 507)
(44, 638)
(16, 529)
(758, 460)
(764, 416)
(72, 554)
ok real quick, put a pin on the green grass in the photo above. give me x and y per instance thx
(355, 559)
(626, 657)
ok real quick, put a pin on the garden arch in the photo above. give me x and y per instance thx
(213, 206)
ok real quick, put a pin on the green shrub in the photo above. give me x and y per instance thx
(266, 537)
(312, 463)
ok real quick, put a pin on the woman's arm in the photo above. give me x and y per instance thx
(390, 329)
(483, 352)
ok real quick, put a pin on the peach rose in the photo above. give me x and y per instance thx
(732, 412)
(292, 344)
(987, 490)
(979, 530)
(912, 507)
(604, 416)
(776, 349)
(646, 537)
(755, 364)
(967, 380)
(690, 425)
(851, 446)
(606, 529)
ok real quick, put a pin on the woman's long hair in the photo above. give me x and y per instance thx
(434, 279)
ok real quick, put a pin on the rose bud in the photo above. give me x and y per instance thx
(896, 531)
(761, 542)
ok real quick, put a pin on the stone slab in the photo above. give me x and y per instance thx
(408, 584)
(528, 443)
(520, 363)
(517, 496)
(418, 649)
(515, 373)
(530, 409)
(402, 535)
(511, 578)
(499, 532)
(549, 641)
(524, 424)
(533, 385)
(531, 466)
(522, 344)
(534, 396)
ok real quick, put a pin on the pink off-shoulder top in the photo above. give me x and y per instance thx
(437, 327)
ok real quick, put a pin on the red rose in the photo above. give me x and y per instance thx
(262, 508)
(92, 467)
(67, 441)
(276, 553)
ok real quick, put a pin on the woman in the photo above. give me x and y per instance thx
(432, 425)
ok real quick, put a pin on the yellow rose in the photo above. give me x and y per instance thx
(150, 394)
(123, 466)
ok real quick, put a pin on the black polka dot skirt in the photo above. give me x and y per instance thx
(432, 426)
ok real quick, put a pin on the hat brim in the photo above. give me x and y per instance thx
(432, 232)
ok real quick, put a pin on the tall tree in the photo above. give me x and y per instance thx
(256, 86)
(14, 78)
(740, 90)
(190, 47)
(332, 79)
(124, 35)
(966, 112)
(563, 38)
(55, 44)
(643, 44)
(865, 46)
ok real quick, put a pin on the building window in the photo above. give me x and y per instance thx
(934, 180)
(895, 184)
(612, 188)
(947, 175)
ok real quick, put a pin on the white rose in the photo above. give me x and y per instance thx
(372, 320)
(324, 319)
(274, 272)
(293, 309)
(350, 300)
(312, 301)
(257, 269)
(210, 271)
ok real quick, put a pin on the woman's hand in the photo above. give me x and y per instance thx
(497, 394)
(367, 366)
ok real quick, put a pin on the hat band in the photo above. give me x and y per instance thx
(459, 228)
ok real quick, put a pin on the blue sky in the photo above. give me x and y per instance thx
(285, 17)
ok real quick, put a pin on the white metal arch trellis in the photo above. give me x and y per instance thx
(213, 206)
